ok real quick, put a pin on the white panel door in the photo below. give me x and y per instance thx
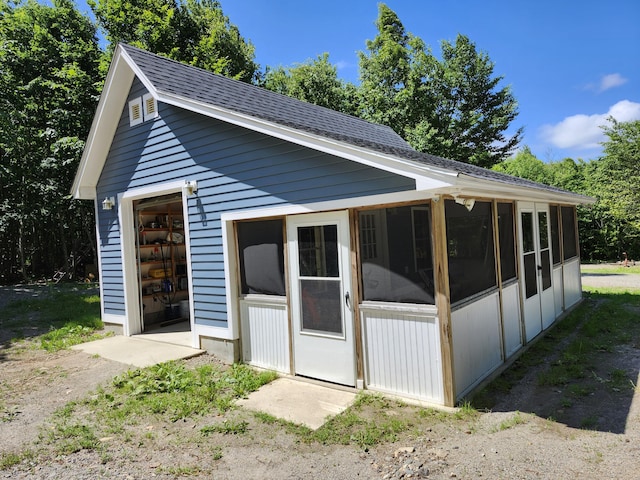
(319, 262)
(536, 268)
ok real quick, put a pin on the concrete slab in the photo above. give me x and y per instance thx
(136, 351)
(299, 402)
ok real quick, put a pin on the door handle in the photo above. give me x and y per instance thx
(347, 300)
(540, 267)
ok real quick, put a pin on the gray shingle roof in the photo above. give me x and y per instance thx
(174, 78)
(171, 77)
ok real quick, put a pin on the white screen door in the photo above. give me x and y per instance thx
(323, 338)
(535, 264)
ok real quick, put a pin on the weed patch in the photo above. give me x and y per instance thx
(227, 427)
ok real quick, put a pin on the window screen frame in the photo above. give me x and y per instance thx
(570, 250)
(389, 266)
(490, 286)
(514, 243)
(556, 241)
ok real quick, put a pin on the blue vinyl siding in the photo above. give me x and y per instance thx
(236, 169)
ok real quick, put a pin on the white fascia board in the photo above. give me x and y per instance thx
(426, 176)
(474, 186)
(105, 122)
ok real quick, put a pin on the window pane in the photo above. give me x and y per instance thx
(507, 241)
(555, 234)
(543, 230)
(569, 236)
(261, 257)
(546, 269)
(318, 251)
(321, 306)
(472, 267)
(396, 258)
(527, 232)
(530, 275)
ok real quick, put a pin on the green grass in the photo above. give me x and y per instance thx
(175, 392)
(610, 270)
(227, 427)
(65, 315)
(9, 459)
(165, 392)
(516, 419)
(372, 420)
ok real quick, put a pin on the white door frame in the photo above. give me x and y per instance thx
(538, 308)
(133, 319)
(319, 354)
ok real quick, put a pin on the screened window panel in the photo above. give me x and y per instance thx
(528, 244)
(543, 230)
(260, 246)
(396, 255)
(555, 234)
(507, 241)
(321, 306)
(530, 274)
(569, 234)
(472, 267)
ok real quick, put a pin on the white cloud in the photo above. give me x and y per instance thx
(611, 81)
(583, 131)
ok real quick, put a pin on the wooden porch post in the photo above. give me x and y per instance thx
(443, 299)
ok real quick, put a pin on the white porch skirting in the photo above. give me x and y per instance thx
(402, 350)
(265, 332)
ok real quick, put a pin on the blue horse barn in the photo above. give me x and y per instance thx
(299, 239)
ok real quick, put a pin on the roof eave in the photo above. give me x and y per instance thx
(105, 121)
(472, 185)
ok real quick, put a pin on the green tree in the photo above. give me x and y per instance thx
(616, 183)
(397, 75)
(525, 164)
(453, 107)
(471, 112)
(315, 81)
(48, 91)
(195, 32)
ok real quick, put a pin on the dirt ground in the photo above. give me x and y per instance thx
(529, 434)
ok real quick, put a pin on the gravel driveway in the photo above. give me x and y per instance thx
(513, 441)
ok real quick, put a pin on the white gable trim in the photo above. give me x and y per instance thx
(105, 121)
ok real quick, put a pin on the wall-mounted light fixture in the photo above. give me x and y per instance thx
(108, 203)
(469, 203)
(191, 186)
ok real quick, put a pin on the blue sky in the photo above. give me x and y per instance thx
(570, 63)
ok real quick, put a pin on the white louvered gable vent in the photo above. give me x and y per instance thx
(150, 107)
(135, 111)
